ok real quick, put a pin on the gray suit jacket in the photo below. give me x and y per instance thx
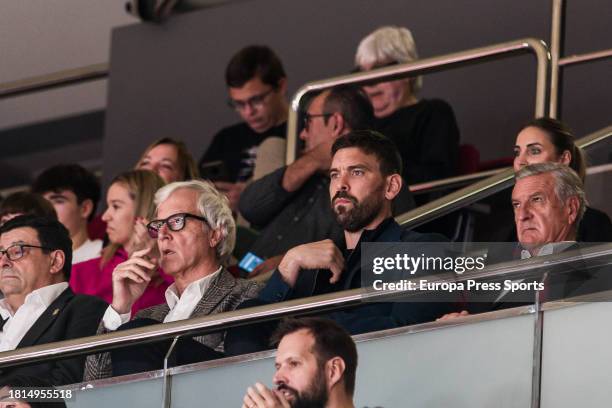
(224, 294)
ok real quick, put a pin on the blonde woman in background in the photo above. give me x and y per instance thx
(130, 208)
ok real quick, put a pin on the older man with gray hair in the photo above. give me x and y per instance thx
(549, 202)
(195, 235)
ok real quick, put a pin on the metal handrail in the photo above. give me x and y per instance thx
(54, 80)
(557, 62)
(439, 63)
(457, 199)
(556, 48)
(480, 190)
(222, 321)
(419, 188)
(452, 182)
(588, 57)
(449, 182)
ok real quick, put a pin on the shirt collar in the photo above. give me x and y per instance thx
(196, 288)
(43, 296)
(5, 309)
(373, 234)
(549, 249)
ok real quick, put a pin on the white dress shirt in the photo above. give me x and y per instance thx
(21, 321)
(89, 250)
(180, 307)
(547, 249)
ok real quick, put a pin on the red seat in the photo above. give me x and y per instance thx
(469, 159)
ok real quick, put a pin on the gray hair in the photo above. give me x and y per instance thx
(213, 206)
(389, 43)
(567, 183)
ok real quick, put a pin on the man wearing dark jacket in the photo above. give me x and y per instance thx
(291, 205)
(364, 180)
(38, 306)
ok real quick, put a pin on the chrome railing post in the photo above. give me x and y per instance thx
(556, 48)
(167, 384)
(538, 332)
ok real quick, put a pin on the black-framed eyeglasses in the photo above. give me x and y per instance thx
(15, 251)
(174, 222)
(308, 117)
(254, 102)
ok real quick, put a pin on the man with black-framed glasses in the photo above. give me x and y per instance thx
(38, 306)
(291, 204)
(195, 234)
(257, 87)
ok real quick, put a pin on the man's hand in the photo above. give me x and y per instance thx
(321, 154)
(141, 239)
(232, 191)
(451, 316)
(130, 279)
(266, 266)
(315, 160)
(316, 255)
(260, 396)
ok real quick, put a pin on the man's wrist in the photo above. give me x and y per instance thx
(121, 309)
(288, 272)
(112, 319)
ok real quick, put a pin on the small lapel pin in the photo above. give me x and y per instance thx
(56, 311)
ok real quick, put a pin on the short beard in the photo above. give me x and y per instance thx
(315, 396)
(361, 215)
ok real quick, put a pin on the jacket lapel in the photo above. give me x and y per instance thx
(46, 319)
(219, 288)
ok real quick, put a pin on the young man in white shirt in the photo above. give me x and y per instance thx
(74, 192)
(38, 306)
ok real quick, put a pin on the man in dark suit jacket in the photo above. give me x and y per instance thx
(364, 180)
(549, 202)
(38, 306)
(195, 235)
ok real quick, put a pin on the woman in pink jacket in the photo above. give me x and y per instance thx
(130, 206)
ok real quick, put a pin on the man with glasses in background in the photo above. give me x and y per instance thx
(257, 86)
(38, 306)
(291, 204)
(195, 234)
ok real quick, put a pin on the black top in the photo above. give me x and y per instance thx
(595, 226)
(427, 137)
(236, 146)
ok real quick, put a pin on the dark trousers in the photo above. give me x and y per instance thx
(148, 357)
(251, 337)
